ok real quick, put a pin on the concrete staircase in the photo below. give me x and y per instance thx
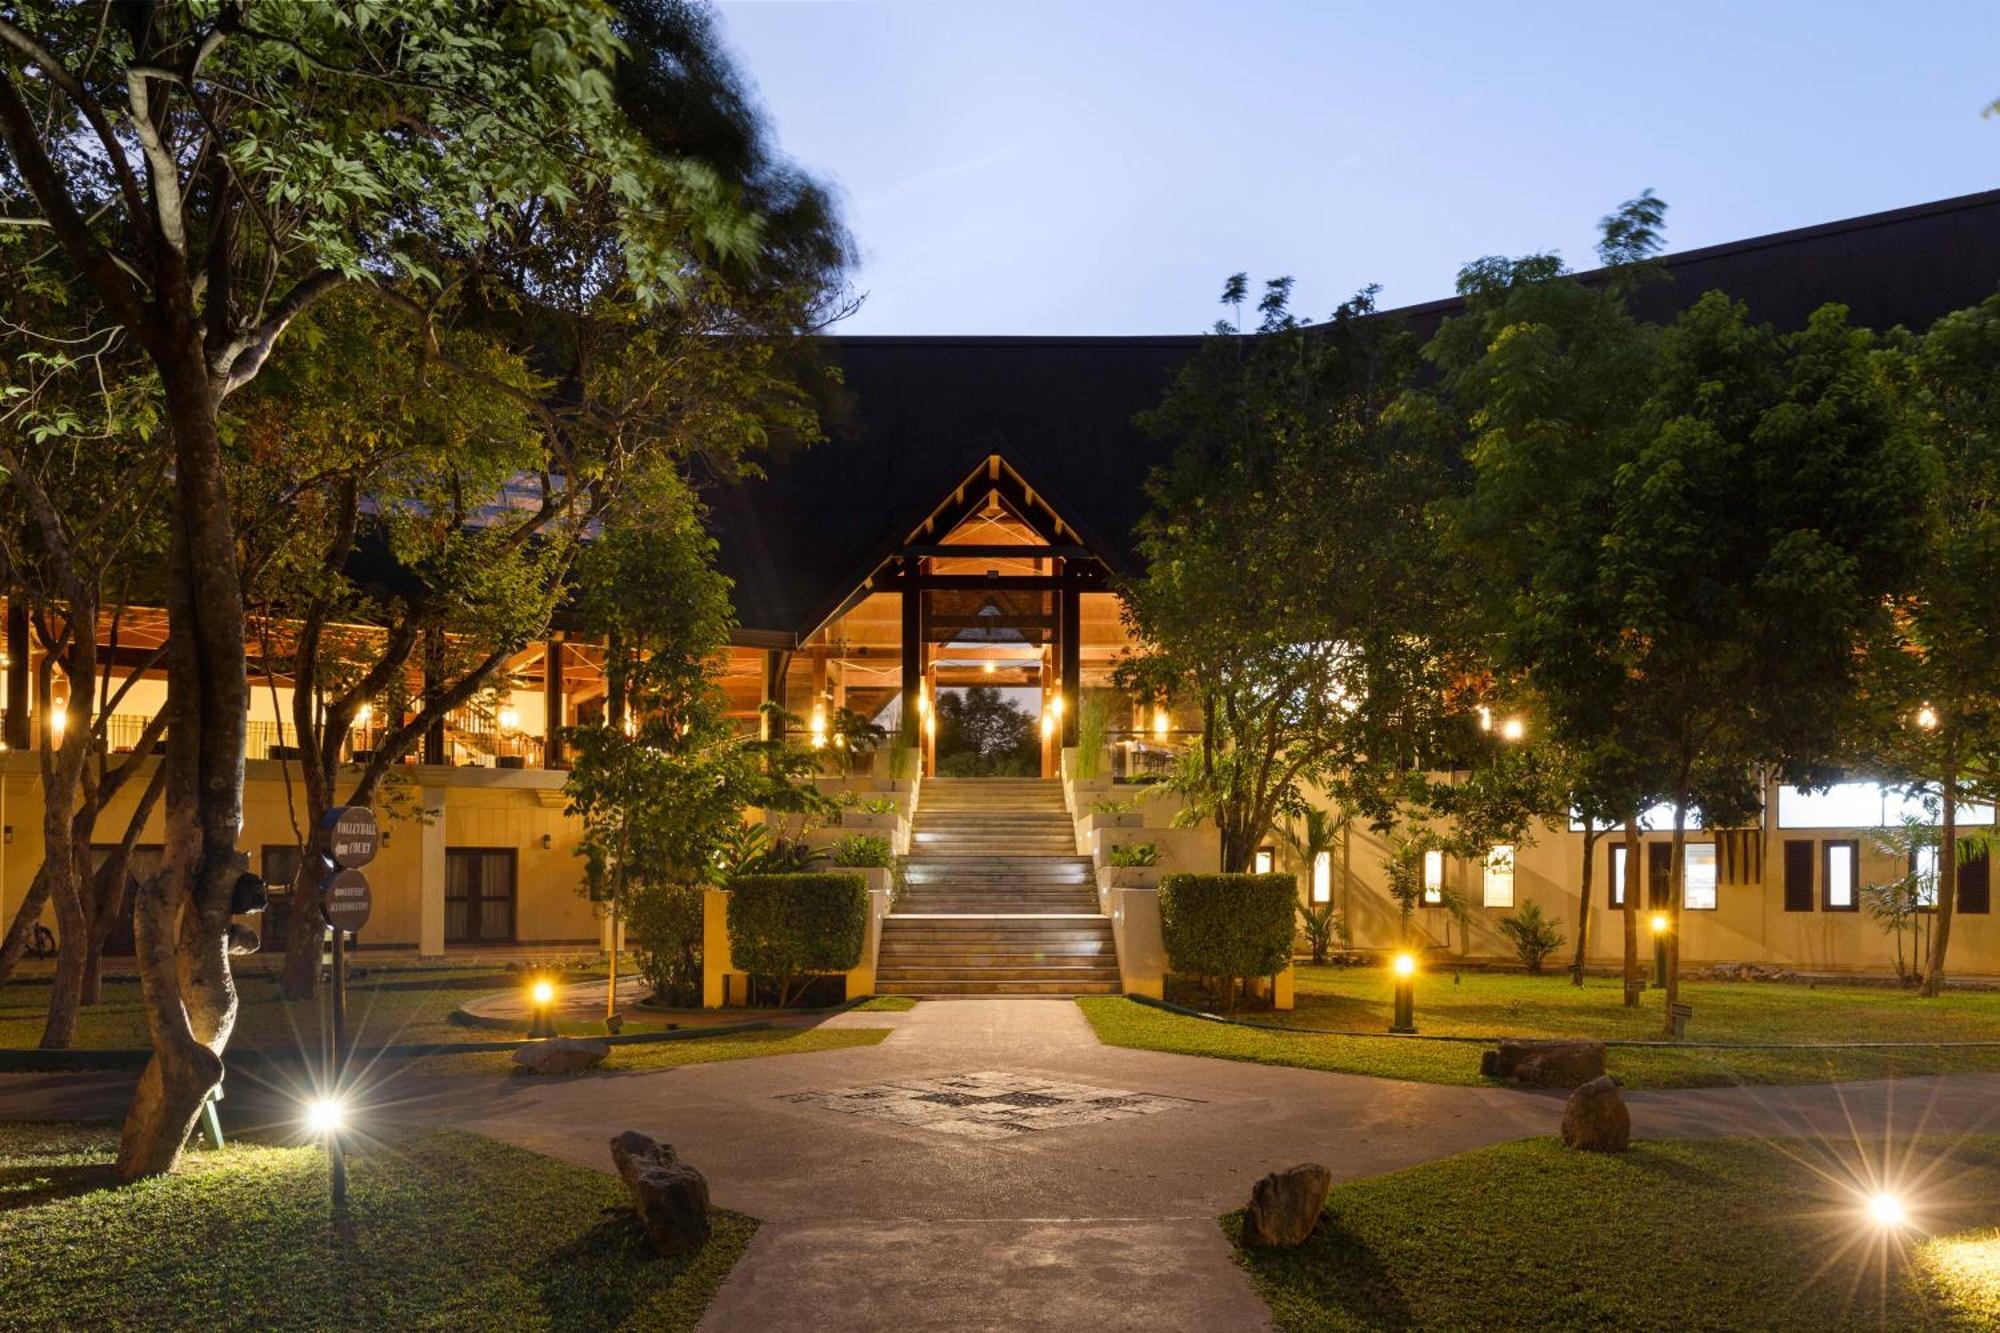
(996, 900)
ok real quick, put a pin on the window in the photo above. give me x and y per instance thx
(478, 895)
(1262, 862)
(1698, 882)
(1863, 805)
(1500, 876)
(1618, 851)
(1924, 869)
(1798, 875)
(1840, 864)
(1322, 890)
(1433, 877)
(1975, 884)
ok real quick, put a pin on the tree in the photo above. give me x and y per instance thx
(1290, 567)
(1930, 701)
(981, 733)
(1751, 546)
(1550, 378)
(664, 778)
(208, 176)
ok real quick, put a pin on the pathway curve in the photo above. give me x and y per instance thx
(928, 1202)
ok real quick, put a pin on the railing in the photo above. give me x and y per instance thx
(1144, 755)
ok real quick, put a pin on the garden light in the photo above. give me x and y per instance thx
(1927, 718)
(326, 1115)
(1405, 969)
(1485, 718)
(1160, 723)
(1888, 1211)
(543, 1022)
(1513, 729)
(1660, 924)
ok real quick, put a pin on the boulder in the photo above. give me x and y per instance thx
(670, 1196)
(1595, 1118)
(561, 1055)
(1285, 1207)
(1545, 1063)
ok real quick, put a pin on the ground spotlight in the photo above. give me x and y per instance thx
(1887, 1210)
(1405, 970)
(326, 1115)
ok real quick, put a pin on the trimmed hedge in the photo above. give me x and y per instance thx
(1228, 925)
(793, 926)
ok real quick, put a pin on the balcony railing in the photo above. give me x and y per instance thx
(1141, 756)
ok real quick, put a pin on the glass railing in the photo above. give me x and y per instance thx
(1146, 756)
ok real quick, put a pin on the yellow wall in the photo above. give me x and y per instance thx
(483, 807)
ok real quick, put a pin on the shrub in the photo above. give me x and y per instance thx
(795, 926)
(1535, 936)
(663, 923)
(1229, 927)
(1136, 854)
(863, 849)
(1323, 923)
(880, 805)
(1113, 805)
(1093, 723)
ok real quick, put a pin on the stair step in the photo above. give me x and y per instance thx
(954, 989)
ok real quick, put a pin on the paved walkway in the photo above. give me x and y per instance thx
(928, 1209)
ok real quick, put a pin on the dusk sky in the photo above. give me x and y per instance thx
(1037, 168)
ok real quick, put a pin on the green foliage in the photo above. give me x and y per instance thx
(1135, 854)
(853, 739)
(793, 926)
(880, 805)
(1228, 926)
(1093, 724)
(1115, 805)
(664, 924)
(1301, 678)
(749, 849)
(863, 849)
(980, 733)
(1323, 923)
(1534, 934)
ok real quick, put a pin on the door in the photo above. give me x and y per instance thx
(478, 895)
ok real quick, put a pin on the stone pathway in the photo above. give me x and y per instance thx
(993, 1188)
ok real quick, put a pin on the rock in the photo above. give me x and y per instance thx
(1595, 1118)
(670, 1196)
(1545, 1063)
(1285, 1207)
(561, 1055)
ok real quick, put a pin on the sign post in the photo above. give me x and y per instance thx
(352, 838)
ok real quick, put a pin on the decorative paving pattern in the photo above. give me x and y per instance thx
(989, 1105)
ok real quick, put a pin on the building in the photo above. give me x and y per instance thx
(964, 525)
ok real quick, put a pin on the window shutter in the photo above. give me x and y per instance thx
(1798, 875)
(1975, 885)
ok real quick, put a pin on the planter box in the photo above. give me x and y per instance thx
(1128, 877)
(860, 821)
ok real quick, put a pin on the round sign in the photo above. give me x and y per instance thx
(352, 835)
(347, 901)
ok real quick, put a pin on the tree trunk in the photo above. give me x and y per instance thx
(1676, 892)
(72, 953)
(1590, 837)
(23, 927)
(1631, 913)
(181, 917)
(1947, 892)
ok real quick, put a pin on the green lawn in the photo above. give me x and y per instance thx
(1512, 1004)
(1728, 1235)
(443, 1230)
(667, 1054)
(887, 1004)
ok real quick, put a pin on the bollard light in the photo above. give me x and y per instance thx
(326, 1120)
(1660, 926)
(542, 996)
(1405, 970)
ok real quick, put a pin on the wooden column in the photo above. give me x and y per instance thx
(772, 726)
(553, 657)
(1069, 650)
(17, 734)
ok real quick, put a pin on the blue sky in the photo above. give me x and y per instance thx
(1098, 167)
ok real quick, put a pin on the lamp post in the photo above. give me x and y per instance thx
(1405, 971)
(1660, 927)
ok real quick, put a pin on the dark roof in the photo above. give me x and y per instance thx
(925, 411)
